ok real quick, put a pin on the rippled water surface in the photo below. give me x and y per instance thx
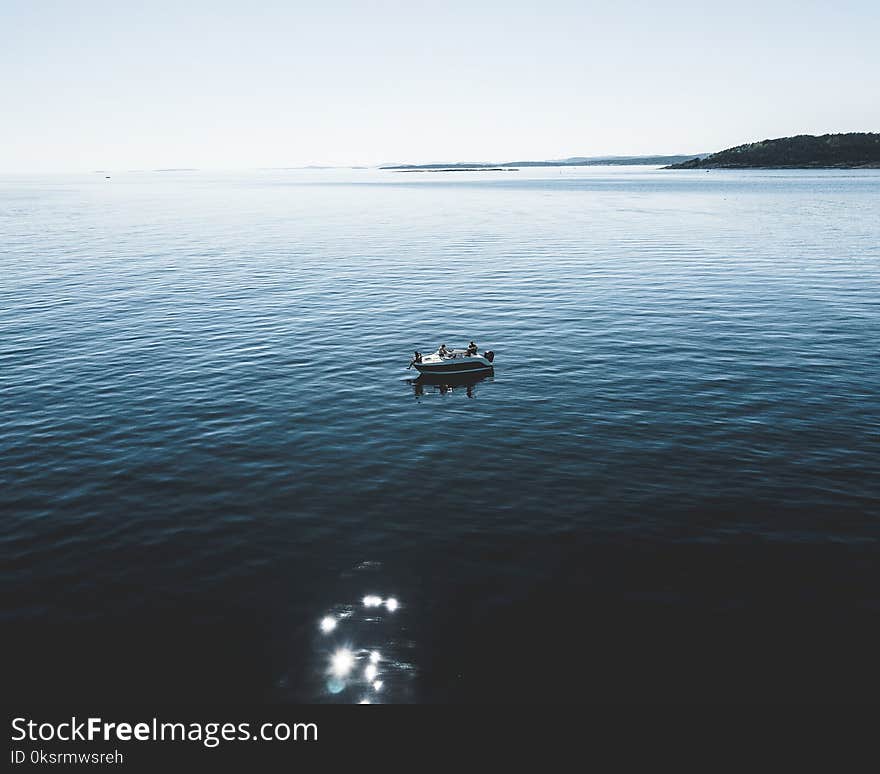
(210, 442)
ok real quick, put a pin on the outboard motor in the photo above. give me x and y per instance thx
(489, 355)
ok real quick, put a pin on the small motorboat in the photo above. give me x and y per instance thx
(453, 361)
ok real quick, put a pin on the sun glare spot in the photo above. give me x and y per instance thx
(328, 624)
(341, 662)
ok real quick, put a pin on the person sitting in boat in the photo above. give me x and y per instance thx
(443, 352)
(472, 349)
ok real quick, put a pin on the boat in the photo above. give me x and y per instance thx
(453, 361)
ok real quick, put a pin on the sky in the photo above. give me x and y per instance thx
(88, 84)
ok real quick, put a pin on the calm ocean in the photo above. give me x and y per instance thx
(210, 442)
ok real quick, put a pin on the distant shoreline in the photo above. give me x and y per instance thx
(575, 161)
(456, 169)
(707, 167)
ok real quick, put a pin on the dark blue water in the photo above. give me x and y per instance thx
(209, 441)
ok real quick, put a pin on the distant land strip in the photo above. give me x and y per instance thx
(854, 150)
(452, 169)
(577, 161)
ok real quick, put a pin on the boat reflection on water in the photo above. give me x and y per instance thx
(442, 384)
(361, 645)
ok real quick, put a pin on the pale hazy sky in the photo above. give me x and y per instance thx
(87, 84)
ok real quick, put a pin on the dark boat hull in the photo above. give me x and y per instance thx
(453, 368)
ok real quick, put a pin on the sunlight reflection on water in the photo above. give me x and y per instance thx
(361, 647)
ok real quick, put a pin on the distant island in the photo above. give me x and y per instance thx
(574, 161)
(856, 150)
